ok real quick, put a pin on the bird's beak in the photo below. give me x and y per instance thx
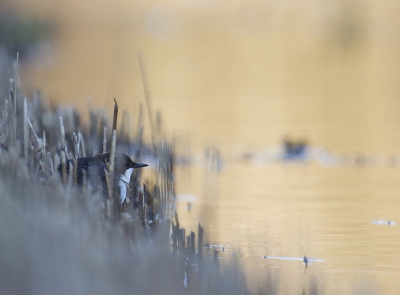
(139, 165)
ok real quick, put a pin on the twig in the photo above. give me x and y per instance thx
(33, 130)
(39, 142)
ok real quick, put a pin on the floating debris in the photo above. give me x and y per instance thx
(215, 245)
(185, 198)
(305, 259)
(293, 258)
(383, 222)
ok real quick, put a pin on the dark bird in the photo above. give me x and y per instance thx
(95, 171)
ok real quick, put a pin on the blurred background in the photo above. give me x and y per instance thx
(286, 115)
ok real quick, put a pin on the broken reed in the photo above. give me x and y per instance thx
(186, 245)
(184, 248)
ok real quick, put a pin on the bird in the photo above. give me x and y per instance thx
(95, 166)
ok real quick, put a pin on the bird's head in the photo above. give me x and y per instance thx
(123, 163)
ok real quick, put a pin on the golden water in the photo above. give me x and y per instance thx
(240, 76)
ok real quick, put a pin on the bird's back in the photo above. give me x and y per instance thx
(92, 166)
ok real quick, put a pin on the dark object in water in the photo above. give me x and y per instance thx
(294, 150)
(305, 261)
(95, 171)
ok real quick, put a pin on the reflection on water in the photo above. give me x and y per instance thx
(296, 210)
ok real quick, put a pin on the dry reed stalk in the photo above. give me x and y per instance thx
(45, 170)
(192, 243)
(82, 142)
(56, 159)
(144, 204)
(11, 92)
(51, 163)
(181, 239)
(13, 113)
(44, 143)
(75, 139)
(26, 130)
(70, 175)
(62, 138)
(32, 159)
(64, 167)
(105, 140)
(33, 131)
(174, 239)
(115, 116)
(188, 246)
(177, 220)
(111, 171)
(112, 151)
(5, 127)
(75, 172)
(37, 149)
(16, 74)
(200, 240)
(84, 181)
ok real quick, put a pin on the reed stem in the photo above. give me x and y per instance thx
(115, 116)
(26, 130)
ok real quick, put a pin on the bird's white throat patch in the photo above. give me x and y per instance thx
(127, 175)
(122, 182)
